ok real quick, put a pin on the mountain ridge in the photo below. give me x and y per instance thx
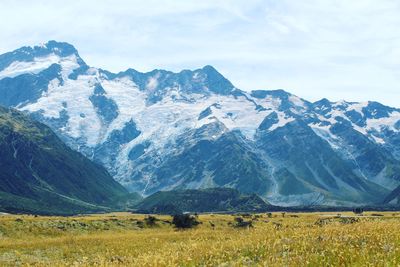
(151, 131)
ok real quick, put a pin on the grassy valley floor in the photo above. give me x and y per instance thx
(122, 239)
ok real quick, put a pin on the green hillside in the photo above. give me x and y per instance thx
(205, 200)
(40, 174)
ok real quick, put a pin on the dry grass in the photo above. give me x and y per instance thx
(313, 239)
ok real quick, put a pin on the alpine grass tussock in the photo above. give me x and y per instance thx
(314, 239)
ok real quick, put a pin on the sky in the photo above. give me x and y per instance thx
(312, 48)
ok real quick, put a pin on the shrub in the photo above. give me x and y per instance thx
(348, 220)
(256, 217)
(240, 223)
(184, 221)
(140, 224)
(324, 221)
(150, 220)
(277, 225)
(358, 211)
(212, 224)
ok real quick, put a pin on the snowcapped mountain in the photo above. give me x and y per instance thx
(193, 129)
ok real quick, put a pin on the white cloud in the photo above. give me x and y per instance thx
(314, 48)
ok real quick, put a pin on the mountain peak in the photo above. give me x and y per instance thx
(61, 48)
(203, 80)
(323, 102)
(216, 82)
(210, 69)
(29, 53)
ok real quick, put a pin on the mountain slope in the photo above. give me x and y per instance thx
(309, 166)
(39, 173)
(194, 129)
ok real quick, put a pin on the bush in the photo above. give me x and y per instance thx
(324, 221)
(184, 221)
(348, 220)
(358, 211)
(240, 223)
(150, 220)
(256, 217)
(140, 224)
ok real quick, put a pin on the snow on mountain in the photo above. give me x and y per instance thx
(163, 130)
(20, 67)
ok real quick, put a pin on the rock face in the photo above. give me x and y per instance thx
(190, 130)
(40, 174)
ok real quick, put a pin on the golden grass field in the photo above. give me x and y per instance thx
(122, 239)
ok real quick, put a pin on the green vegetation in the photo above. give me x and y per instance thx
(40, 174)
(184, 221)
(240, 222)
(205, 200)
